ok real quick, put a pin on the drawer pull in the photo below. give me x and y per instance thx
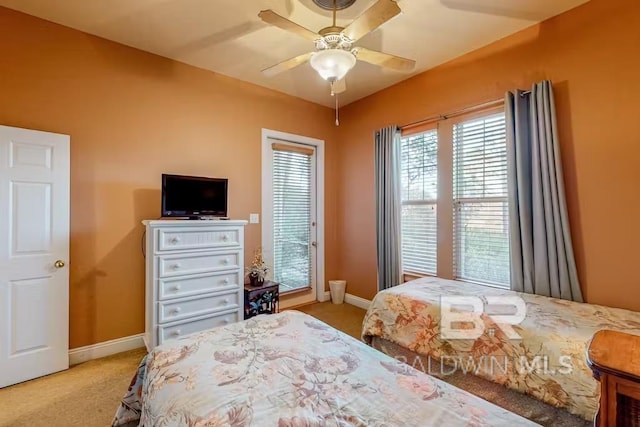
(176, 311)
(175, 240)
(225, 301)
(225, 282)
(224, 322)
(176, 266)
(175, 333)
(176, 287)
(225, 237)
(225, 261)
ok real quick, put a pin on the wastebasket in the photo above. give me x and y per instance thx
(337, 287)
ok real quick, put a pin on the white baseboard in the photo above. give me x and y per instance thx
(351, 299)
(324, 296)
(103, 349)
(357, 301)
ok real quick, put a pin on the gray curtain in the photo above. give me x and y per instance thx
(542, 260)
(387, 171)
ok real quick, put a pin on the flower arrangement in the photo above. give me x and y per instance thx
(257, 270)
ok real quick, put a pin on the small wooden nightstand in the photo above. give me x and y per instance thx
(261, 299)
(614, 358)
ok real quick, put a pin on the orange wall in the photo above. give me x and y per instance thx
(132, 116)
(591, 55)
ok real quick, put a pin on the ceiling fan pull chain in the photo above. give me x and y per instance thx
(337, 118)
(334, 94)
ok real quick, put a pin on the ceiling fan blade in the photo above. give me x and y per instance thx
(272, 18)
(287, 65)
(372, 18)
(385, 60)
(340, 86)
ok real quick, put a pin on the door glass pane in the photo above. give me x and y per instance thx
(292, 203)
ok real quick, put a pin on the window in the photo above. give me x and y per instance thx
(458, 168)
(419, 202)
(481, 225)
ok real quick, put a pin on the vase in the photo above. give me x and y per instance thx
(256, 280)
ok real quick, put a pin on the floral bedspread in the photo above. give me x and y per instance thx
(546, 361)
(290, 369)
(130, 408)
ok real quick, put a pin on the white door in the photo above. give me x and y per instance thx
(292, 216)
(34, 251)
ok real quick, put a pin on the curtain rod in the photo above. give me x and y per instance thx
(473, 108)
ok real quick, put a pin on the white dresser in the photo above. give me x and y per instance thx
(194, 277)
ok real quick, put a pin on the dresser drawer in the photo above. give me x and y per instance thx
(178, 287)
(176, 265)
(181, 329)
(170, 311)
(172, 239)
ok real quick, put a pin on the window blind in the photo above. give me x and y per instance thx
(419, 181)
(481, 231)
(292, 192)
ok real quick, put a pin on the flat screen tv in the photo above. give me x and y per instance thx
(193, 196)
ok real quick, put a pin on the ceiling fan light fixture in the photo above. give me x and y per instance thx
(333, 64)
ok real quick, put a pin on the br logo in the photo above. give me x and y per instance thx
(462, 315)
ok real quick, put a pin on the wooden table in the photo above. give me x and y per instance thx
(614, 358)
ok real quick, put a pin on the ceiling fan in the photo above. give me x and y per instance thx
(335, 54)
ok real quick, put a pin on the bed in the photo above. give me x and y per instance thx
(547, 363)
(290, 369)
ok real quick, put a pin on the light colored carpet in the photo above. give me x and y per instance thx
(345, 317)
(85, 395)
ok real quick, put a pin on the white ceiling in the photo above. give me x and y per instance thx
(226, 36)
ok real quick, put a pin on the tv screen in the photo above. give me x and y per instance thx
(193, 196)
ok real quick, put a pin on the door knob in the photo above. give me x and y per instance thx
(314, 244)
(58, 264)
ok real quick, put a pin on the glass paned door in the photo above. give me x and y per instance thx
(294, 188)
